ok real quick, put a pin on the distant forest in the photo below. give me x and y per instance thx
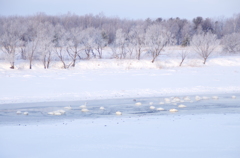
(73, 37)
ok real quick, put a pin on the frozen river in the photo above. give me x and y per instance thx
(38, 112)
(204, 128)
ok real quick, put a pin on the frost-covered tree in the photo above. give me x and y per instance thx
(231, 43)
(84, 37)
(207, 25)
(138, 40)
(31, 49)
(129, 45)
(99, 41)
(183, 55)
(60, 45)
(46, 38)
(73, 46)
(87, 42)
(218, 27)
(157, 37)
(186, 34)
(114, 50)
(121, 42)
(33, 41)
(176, 27)
(232, 25)
(10, 39)
(204, 44)
(197, 23)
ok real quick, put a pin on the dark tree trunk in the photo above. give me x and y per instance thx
(153, 59)
(205, 60)
(12, 65)
(48, 64)
(181, 63)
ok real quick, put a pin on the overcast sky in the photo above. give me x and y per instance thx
(130, 9)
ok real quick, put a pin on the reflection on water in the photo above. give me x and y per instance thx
(38, 112)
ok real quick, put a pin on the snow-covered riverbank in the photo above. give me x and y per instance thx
(205, 128)
(109, 79)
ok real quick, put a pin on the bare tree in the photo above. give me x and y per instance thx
(204, 44)
(176, 26)
(31, 49)
(84, 37)
(231, 43)
(63, 56)
(157, 37)
(207, 25)
(60, 45)
(183, 54)
(99, 41)
(129, 45)
(73, 44)
(121, 41)
(218, 26)
(138, 39)
(87, 42)
(33, 41)
(46, 38)
(10, 39)
(232, 25)
(197, 22)
(186, 34)
(114, 48)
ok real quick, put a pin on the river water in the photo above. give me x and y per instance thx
(38, 112)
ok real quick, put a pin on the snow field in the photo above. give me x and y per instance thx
(182, 136)
(108, 79)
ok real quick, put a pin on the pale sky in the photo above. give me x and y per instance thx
(130, 9)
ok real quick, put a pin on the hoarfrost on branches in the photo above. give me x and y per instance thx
(204, 44)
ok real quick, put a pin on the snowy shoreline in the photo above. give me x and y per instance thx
(113, 79)
(206, 128)
(51, 99)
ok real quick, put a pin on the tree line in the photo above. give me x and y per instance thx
(71, 37)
